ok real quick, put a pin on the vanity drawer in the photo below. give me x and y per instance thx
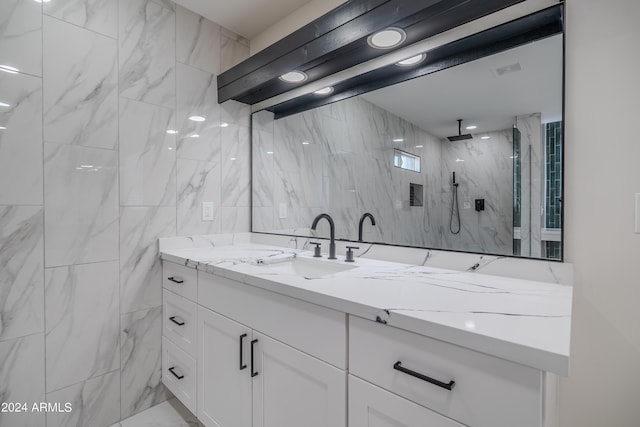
(180, 279)
(312, 329)
(488, 392)
(179, 374)
(179, 321)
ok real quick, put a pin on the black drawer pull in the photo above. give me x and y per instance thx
(242, 364)
(171, 369)
(253, 372)
(449, 386)
(177, 322)
(175, 279)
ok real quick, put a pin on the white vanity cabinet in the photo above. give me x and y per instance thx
(263, 358)
(371, 406)
(241, 356)
(249, 379)
(470, 387)
(224, 371)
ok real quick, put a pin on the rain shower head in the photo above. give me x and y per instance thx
(459, 136)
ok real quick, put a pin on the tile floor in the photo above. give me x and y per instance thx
(168, 414)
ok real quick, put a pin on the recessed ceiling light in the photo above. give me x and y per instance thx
(486, 137)
(387, 38)
(233, 158)
(169, 148)
(294, 77)
(172, 131)
(305, 142)
(324, 91)
(9, 69)
(3, 128)
(42, 1)
(86, 166)
(398, 140)
(269, 152)
(197, 119)
(419, 146)
(459, 160)
(472, 127)
(412, 61)
(195, 135)
(224, 124)
(2, 104)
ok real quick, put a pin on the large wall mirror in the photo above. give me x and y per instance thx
(398, 153)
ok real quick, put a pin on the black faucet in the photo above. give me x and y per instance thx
(332, 245)
(362, 218)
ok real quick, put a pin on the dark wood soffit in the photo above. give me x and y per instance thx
(534, 27)
(337, 41)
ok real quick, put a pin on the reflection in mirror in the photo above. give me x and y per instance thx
(397, 153)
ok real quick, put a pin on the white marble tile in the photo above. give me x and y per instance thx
(95, 402)
(147, 155)
(22, 274)
(171, 413)
(82, 309)
(22, 379)
(21, 35)
(233, 50)
(236, 166)
(263, 167)
(146, 33)
(140, 268)
(81, 205)
(96, 15)
(235, 220)
(141, 361)
(197, 41)
(197, 95)
(235, 112)
(80, 86)
(169, 4)
(21, 141)
(198, 182)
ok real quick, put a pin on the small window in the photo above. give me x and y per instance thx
(404, 160)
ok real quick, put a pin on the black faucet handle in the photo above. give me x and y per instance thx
(316, 250)
(349, 257)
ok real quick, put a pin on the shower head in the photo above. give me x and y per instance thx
(459, 136)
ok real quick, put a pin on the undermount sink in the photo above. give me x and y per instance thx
(308, 267)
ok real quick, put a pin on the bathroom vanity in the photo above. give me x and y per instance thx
(267, 335)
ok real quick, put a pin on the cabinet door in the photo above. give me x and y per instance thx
(371, 406)
(224, 387)
(293, 389)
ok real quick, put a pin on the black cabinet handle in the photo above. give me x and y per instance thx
(449, 386)
(242, 364)
(253, 372)
(171, 369)
(175, 279)
(173, 319)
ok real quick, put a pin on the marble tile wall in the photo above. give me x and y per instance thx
(338, 159)
(90, 179)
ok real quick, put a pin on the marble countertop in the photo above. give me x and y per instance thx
(524, 321)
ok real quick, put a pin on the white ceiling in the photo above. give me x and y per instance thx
(475, 93)
(245, 17)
